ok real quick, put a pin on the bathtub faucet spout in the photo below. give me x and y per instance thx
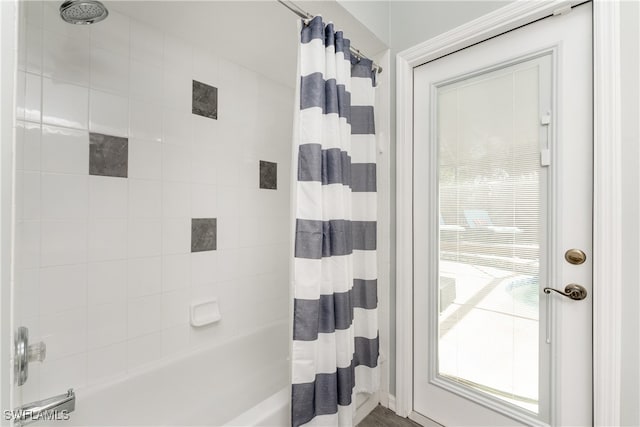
(53, 408)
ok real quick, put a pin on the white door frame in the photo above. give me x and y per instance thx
(607, 231)
(8, 67)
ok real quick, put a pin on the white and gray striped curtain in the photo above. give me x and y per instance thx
(335, 326)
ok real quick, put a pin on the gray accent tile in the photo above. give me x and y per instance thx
(108, 155)
(204, 234)
(204, 100)
(268, 175)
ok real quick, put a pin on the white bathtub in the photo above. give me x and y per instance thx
(240, 382)
(273, 411)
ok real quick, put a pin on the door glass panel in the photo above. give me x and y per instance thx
(491, 231)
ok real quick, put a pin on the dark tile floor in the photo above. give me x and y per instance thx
(383, 417)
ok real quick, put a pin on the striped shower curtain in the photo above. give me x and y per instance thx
(335, 327)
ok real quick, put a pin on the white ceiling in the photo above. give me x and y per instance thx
(259, 35)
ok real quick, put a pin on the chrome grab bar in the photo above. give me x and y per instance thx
(53, 408)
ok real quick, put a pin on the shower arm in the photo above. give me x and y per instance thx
(307, 16)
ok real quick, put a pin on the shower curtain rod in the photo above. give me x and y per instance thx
(306, 15)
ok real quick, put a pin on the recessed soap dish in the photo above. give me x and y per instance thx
(205, 313)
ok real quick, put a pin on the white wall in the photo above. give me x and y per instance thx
(383, 122)
(630, 83)
(373, 14)
(413, 22)
(104, 269)
(402, 24)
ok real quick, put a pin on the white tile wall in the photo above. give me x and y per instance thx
(144, 315)
(33, 98)
(176, 200)
(114, 36)
(144, 276)
(70, 370)
(176, 235)
(175, 308)
(107, 239)
(176, 272)
(29, 202)
(64, 150)
(143, 349)
(30, 148)
(145, 198)
(145, 81)
(109, 113)
(62, 242)
(64, 104)
(108, 196)
(177, 84)
(65, 332)
(65, 196)
(145, 121)
(145, 159)
(203, 202)
(106, 362)
(175, 339)
(107, 282)
(104, 269)
(64, 288)
(176, 163)
(146, 44)
(25, 303)
(65, 58)
(109, 71)
(107, 325)
(33, 55)
(176, 127)
(204, 267)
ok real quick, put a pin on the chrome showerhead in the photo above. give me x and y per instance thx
(83, 12)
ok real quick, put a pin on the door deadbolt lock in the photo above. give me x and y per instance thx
(575, 256)
(572, 290)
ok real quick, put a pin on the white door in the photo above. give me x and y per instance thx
(502, 190)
